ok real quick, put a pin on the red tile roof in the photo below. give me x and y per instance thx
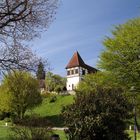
(77, 61)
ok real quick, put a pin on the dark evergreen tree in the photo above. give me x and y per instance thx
(41, 71)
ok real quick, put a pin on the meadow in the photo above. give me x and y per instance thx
(51, 108)
(51, 111)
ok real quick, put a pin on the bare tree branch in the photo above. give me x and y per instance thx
(25, 18)
(18, 57)
(22, 20)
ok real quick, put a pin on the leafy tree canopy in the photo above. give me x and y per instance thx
(91, 82)
(122, 54)
(20, 91)
(121, 57)
(55, 82)
(101, 114)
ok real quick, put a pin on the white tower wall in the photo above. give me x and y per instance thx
(72, 82)
(73, 79)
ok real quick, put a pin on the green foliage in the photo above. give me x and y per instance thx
(122, 54)
(91, 82)
(5, 100)
(55, 82)
(20, 92)
(98, 115)
(49, 81)
(2, 115)
(7, 120)
(4, 134)
(6, 131)
(131, 133)
(53, 99)
(121, 57)
(30, 133)
(40, 71)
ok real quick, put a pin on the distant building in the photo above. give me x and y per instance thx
(76, 69)
(42, 85)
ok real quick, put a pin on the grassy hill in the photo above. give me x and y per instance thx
(48, 108)
(51, 111)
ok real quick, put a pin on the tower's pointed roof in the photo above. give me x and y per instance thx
(75, 61)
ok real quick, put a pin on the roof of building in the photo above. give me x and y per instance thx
(77, 61)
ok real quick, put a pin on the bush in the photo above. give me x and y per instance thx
(31, 128)
(4, 115)
(33, 121)
(30, 133)
(1, 116)
(53, 99)
(7, 120)
(46, 94)
(100, 115)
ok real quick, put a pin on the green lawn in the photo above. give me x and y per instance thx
(50, 111)
(46, 109)
(4, 133)
(131, 133)
(61, 134)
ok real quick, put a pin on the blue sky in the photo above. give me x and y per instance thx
(82, 25)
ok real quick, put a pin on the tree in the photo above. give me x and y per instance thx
(5, 101)
(22, 20)
(97, 115)
(21, 92)
(17, 57)
(49, 81)
(122, 54)
(121, 57)
(55, 82)
(59, 83)
(40, 71)
(105, 80)
(25, 18)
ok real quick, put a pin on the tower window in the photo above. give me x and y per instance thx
(76, 71)
(72, 72)
(83, 72)
(68, 72)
